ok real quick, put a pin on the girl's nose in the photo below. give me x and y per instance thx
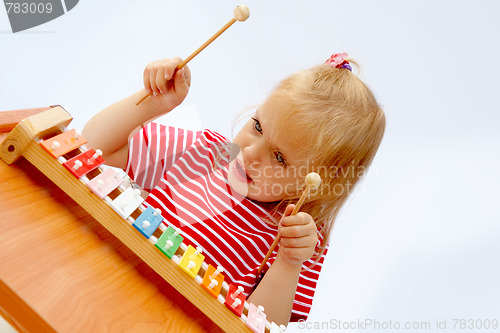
(251, 155)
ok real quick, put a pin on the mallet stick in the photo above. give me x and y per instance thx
(241, 13)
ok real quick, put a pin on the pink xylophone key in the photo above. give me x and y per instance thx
(256, 318)
(104, 183)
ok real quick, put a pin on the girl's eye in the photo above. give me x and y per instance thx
(256, 125)
(280, 158)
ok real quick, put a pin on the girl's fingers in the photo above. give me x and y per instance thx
(300, 218)
(171, 67)
(295, 231)
(162, 77)
(181, 87)
(296, 226)
(187, 75)
(152, 80)
(161, 83)
(145, 78)
(298, 236)
(288, 210)
(297, 242)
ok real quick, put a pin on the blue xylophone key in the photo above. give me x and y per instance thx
(148, 221)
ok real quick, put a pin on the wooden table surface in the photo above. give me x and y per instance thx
(61, 271)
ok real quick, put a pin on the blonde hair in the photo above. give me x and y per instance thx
(344, 125)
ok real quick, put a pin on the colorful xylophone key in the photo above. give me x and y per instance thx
(148, 221)
(212, 281)
(256, 318)
(235, 299)
(191, 261)
(169, 242)
(127, 202)
(105, 182)
(84, 163)
(63, 143)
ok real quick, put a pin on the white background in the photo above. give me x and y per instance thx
(420, 239)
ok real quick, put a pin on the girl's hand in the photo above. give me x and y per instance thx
(298, 237)
(165, 84)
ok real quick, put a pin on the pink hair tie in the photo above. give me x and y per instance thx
(337, 60)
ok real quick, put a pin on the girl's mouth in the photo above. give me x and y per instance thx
(240, 173)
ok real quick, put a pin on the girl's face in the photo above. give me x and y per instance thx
(267, 167)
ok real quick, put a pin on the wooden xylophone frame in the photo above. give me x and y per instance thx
(23, 141)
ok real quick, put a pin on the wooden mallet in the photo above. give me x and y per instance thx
(312, 180)
(241, 13)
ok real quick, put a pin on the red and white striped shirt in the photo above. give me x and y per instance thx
(185, 173)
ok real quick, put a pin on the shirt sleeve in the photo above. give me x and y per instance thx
(154, 150)
(306, 287)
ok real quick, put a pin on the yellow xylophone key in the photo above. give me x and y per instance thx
(191, 261)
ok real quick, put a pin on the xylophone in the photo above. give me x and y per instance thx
(117, 204)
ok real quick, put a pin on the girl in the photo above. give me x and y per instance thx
(232, 199)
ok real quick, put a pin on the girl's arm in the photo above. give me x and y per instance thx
(110, 129)
(276, 290)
